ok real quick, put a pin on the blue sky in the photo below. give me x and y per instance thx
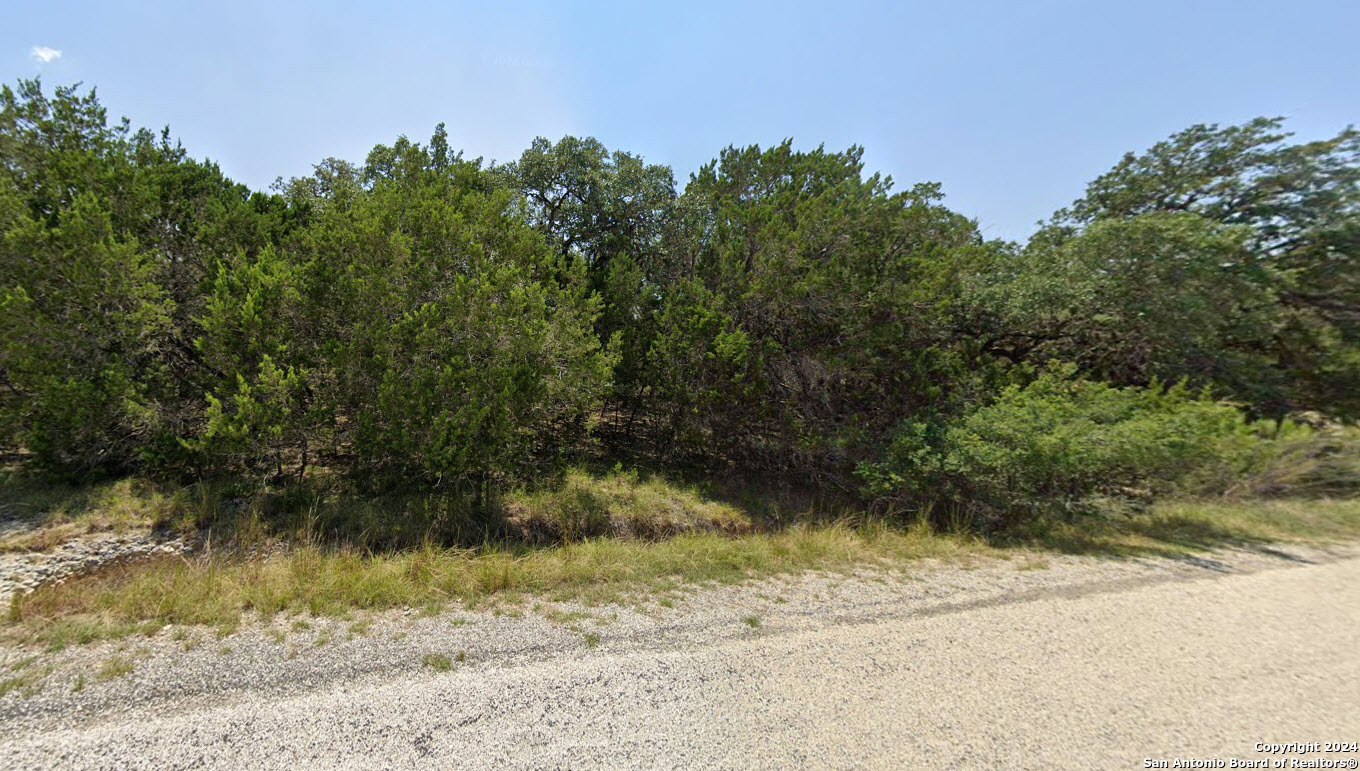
(1013, 106)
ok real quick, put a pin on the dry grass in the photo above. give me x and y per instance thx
(38, 516)
(622, 505)
(1181, 527)
(216, 591)
(609, 538)
(1323, 462)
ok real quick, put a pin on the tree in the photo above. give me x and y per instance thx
(824, 304)
(435, 324)
(82, 320)
(613, 213)
(1152, 296)
(1223, 255)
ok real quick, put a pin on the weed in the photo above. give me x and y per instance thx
(59, 513)
(27, 682)
(559, 617)
(751, 621)
(115, 667)
(438, 662)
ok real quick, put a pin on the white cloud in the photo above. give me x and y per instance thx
(45, 54)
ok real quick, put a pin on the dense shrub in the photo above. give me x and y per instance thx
(1059, 440)
(415, 321)
(423, 321)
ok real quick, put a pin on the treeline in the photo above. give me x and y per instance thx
(426, 319)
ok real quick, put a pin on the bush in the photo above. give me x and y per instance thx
(1058, 441)
(422, 323)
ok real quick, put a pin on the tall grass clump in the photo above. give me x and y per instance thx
(620, 504)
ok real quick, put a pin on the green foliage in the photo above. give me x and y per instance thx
(453, 346)
(105, 237)
(80, 318)
(1057, 441)
(259, 407)
(811, 305)
(613, 213)
(260, 420)
(438, 662)
(420, 321)
(1267, 237)
(1154, 296)
(1306, 462)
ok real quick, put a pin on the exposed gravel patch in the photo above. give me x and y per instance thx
(1085, 663)
(22, 572)
(289, 655)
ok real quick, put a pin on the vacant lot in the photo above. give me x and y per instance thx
(1074, 662)
(201, 558)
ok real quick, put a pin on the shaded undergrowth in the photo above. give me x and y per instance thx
(594, 537)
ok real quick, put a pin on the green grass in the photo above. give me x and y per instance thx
(1269, 520)
(438, 662)
(27, 682)
(752, 621)
(563, 617)
(1182, 527)
(25, 677)
(115, 667)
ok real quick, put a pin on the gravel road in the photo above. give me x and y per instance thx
(1138, 661)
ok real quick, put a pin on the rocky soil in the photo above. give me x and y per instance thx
(1039, 661)
(22, 572)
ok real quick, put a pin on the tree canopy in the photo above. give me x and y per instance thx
(421, 318)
